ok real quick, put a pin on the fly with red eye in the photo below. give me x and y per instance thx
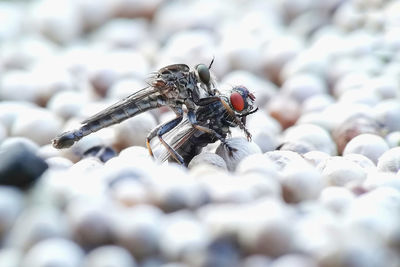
(241, 100)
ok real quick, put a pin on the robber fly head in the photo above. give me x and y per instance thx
(242, 101)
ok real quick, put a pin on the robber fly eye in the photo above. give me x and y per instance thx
(204, 73)
(237, 101)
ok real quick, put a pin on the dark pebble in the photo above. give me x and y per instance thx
(103, 153)
(19, 166)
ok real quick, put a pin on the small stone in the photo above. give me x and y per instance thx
(58, 163)
(109, 256)
(297, 260)
(103, 153)
(138, 229)
(258, 163)
(54, 251)
(311, 134)
(89, 222)
(338, 171)
(34, 225)
(303, 86)
(39, 125)
(11, 204)
(316, 157)
(10, 257)
(66, 104)
(239, 149)
(256, 261)
(353, 126)
(393, 139)
(284, 109)
(208, 158)
(370, 145)
(301, 183)
(335, 198)
(316, 103)
(19, 166)
(129, 192)
(181, 236)
(390, 160)
(133, 132)
(387, 112)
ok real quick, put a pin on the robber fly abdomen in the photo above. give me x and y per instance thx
(108, 117)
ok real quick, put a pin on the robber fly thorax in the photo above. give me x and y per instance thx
(219, 116)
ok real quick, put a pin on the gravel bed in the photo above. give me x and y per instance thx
(318, 185)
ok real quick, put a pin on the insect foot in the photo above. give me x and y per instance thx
(235, 150)
(64, 140)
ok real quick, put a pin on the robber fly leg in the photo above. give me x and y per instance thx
(159, 131)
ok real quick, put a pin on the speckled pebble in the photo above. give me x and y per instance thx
(390, 160)
(241, 148)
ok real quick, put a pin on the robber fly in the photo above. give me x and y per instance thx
(174, 86)
(187, 141)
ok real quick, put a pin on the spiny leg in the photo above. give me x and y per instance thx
(159, 131)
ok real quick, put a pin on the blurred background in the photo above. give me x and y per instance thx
(323, 72)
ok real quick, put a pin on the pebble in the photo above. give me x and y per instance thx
(393, 139)
(241, 149)
(313, 135)
(390, 160)
(353, 126)
(387, 113)
(34, 225)
(37, 124)
(66, 104)
(20, 167)
(54, 251)
(301, 183)
(336, 198)
(370, 145)
(207, 158)
(89, 223)
(303, 86)
(138, 229)
(285, 110)
(338, 171)
(109, 256)
(10, 257)
(11, 204)
(181, 236)
(294, 260)
(133, 132)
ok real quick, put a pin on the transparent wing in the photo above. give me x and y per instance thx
(175, 138)
(135, 97)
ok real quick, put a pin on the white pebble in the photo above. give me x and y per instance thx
(207, 158)
(393, 139)
(182, 234)
(370, 145)
(10, 257)
(303, 86)
(314, 135)
(316, 103)
(297, 260)
(339, 171)
(387, 113)
(258, 163)
(242, 148)
(335, 198)
(301, 183)
(11, 204)
(36, 224)
(39, 125)
(316, 157)
(138, 229)
(109, 256)
(390, 160)
(362, 161)
(66, 104)
(133, 132)
(89, 222)
(54, 252)
(59, 163)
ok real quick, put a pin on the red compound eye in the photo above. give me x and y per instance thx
(237, 101)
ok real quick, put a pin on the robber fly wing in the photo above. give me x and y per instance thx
(135, 97)
(175, 138)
